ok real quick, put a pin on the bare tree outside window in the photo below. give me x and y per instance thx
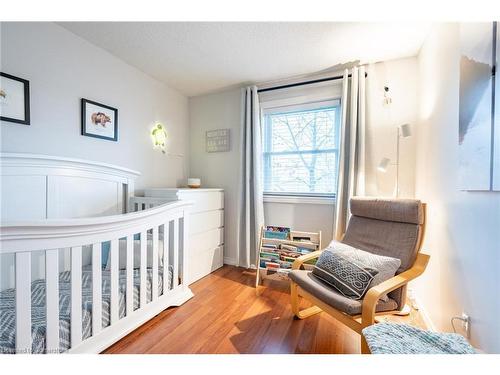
(301, 151)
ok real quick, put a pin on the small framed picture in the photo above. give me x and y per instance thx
(217, 140)
(99, 120)
(14, 99)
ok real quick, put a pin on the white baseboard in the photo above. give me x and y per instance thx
(230, 261)
(424, 314)
(233, 262)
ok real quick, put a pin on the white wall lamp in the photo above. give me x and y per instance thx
(159, 137)
(404, 131)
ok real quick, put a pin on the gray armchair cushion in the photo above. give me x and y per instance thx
(399, 210)
(386, 238)
(388, 227)
(311, 284)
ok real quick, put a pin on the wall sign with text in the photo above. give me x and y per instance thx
(217, 140)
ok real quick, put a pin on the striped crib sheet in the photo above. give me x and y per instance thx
(38, 310)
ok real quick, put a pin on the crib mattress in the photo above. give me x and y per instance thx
(38, 310)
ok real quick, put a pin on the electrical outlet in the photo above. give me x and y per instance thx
(465, 319)
(466, 323)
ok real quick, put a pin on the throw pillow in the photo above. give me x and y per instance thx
(386, 266)
(344, 274)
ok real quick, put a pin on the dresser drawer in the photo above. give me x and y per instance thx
(204, 201)
(204, 262)
(206, 240)
(205, 221)
(205, 252)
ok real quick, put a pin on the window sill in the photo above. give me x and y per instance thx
(292, 199)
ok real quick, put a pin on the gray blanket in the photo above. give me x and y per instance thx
(38, 310)
(391, 338)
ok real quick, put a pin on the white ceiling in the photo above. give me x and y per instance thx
(201, 57)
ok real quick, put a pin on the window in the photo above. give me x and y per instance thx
(300, 149)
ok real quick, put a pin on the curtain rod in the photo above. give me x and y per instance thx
(305, 83)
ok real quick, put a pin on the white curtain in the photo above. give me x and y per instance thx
(351, 176)
(251, 206)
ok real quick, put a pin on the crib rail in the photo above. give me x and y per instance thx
(161, 229)
(144, 203)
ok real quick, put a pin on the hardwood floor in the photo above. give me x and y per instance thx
(227, 316)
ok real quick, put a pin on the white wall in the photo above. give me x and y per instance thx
(382, 122)
(305, 217)
(219, 169)
(463, 228)
(63, 68)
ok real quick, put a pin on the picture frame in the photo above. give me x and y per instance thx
(478, 141)
(217, 140)
(14, 99)
(99, 120)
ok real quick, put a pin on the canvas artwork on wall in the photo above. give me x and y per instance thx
(14, 99)
(477, 148)
(99, 120)
(496, 119)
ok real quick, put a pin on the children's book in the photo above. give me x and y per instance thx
(280, 233)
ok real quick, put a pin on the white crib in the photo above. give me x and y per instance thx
(66, 184)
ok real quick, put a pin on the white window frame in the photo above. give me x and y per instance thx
(298, 199)
(292, 105)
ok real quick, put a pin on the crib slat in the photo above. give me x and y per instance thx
(52, 292)
(144, 242)
(23, 302)
(96, 288)
(175, 278)
(114, 281)
(130, 274)
(76, 295)
(166, 261)
(154, 277)
(185, 247)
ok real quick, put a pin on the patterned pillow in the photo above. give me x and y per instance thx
(344, 274)
(386, 266)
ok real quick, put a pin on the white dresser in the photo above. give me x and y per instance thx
(206, 233)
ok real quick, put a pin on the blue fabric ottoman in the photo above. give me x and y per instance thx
(390, 338)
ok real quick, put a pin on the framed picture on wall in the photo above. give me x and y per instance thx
(99, 120)
(14, 99)
(478, 145)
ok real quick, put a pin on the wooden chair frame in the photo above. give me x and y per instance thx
(369, 302)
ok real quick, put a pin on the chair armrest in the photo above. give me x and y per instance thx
(373, 295)
(304, 258)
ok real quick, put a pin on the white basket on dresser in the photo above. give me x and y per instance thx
(206, 230)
